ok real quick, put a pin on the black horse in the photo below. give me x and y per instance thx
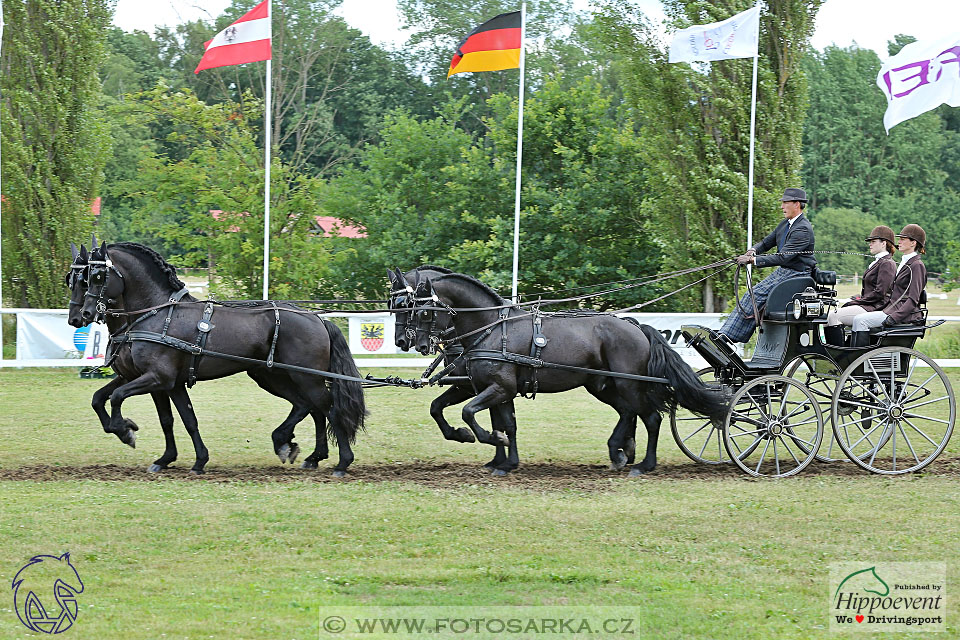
(402, 287)
(133, 277)
(574, 339)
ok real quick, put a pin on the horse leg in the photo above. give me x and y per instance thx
(321, 451)
(320, 398)
(621, 444)
(181, 400)
(99, 401)
(279, 384)
(124, 428)
(165, 413)
(489, 397)
(453, 395)
(652, 421)
(508, 425)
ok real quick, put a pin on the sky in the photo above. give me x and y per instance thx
(868, 23)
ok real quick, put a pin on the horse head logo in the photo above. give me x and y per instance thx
(39, 577)
(865, 580)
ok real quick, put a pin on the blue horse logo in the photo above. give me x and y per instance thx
(37, 578)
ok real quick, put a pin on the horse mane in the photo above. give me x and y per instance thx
(166, 269)
(431, 267)
(472, 280)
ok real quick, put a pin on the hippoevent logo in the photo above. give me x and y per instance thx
(891, 596)
(45, 594)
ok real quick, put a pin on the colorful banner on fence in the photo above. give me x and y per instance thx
(45, 335)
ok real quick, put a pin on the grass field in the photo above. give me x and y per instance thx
(254, 549)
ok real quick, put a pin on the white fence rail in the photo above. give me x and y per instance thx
(44, 339)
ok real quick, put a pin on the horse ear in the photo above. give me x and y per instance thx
(93, 241)
(400, 277)
(74, 251)
(83, 253)
(391, 276)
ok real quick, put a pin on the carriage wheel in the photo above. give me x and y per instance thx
(774, 427)
(903, 414)
(819, 374)
(698, 437)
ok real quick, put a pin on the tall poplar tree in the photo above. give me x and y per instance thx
(695, 129)
(54, 141)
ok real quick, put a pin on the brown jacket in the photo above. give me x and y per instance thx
(877, 284)
(904, 305)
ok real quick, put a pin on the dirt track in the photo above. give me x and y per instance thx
(533, 476)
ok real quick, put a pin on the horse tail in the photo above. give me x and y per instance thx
(685, 387)
(347, 415)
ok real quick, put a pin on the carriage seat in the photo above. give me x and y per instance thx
(825, 278)
(909, 329)
(779, 305)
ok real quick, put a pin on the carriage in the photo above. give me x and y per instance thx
(886, 407)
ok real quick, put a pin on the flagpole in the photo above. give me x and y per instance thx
(516, 206)
(1, 224)
(753, 128)
(268, 125)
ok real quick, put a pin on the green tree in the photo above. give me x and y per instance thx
(431, 193)
(54, 140)
(845, 229)
(695, 129)
(224, 173)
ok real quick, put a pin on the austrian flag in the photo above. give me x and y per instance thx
(246, 40)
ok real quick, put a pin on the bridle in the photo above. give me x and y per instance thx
(98, 269)
(427, 316)
(401, 303)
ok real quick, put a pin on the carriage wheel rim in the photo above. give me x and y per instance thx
(771, 416)
(828, 451)
(897, 410)
(687, 430)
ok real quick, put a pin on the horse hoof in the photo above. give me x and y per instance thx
(620, 463)
(308, 464)
(465, 435)
(129, 438)
(294, 452)
(155, 468)
(498, 473)
(196, 472)
(635, 473)
(130, 424)
(490, 466)
(284, 453)
(501, 438)
(339, 474)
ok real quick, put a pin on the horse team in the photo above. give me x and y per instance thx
(163, 340)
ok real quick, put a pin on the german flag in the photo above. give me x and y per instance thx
(492, 46)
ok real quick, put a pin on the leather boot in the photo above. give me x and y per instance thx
(834, 335)
(859, 338)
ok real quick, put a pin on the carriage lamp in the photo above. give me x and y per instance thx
(808, 304)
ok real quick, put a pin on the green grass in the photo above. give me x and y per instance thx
(716, 556)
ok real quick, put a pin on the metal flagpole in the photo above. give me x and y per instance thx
(753, 127)
(1, 224)
(268, 122)
(516, 206)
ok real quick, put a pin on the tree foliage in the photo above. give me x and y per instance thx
(695, 128)
(431, 193)
(223, 173)
(54, 139)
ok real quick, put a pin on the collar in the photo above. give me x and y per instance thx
(881, 255)
(906, 257)
(792, 220)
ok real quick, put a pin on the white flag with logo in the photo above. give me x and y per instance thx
(921, 77)
(735, 37)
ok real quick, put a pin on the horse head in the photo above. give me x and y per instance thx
(401, 301)
(104, 285)
(37, 578)
(76, 281)
(426, 315)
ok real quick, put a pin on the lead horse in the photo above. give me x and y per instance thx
(497, 335)
(133, 278)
